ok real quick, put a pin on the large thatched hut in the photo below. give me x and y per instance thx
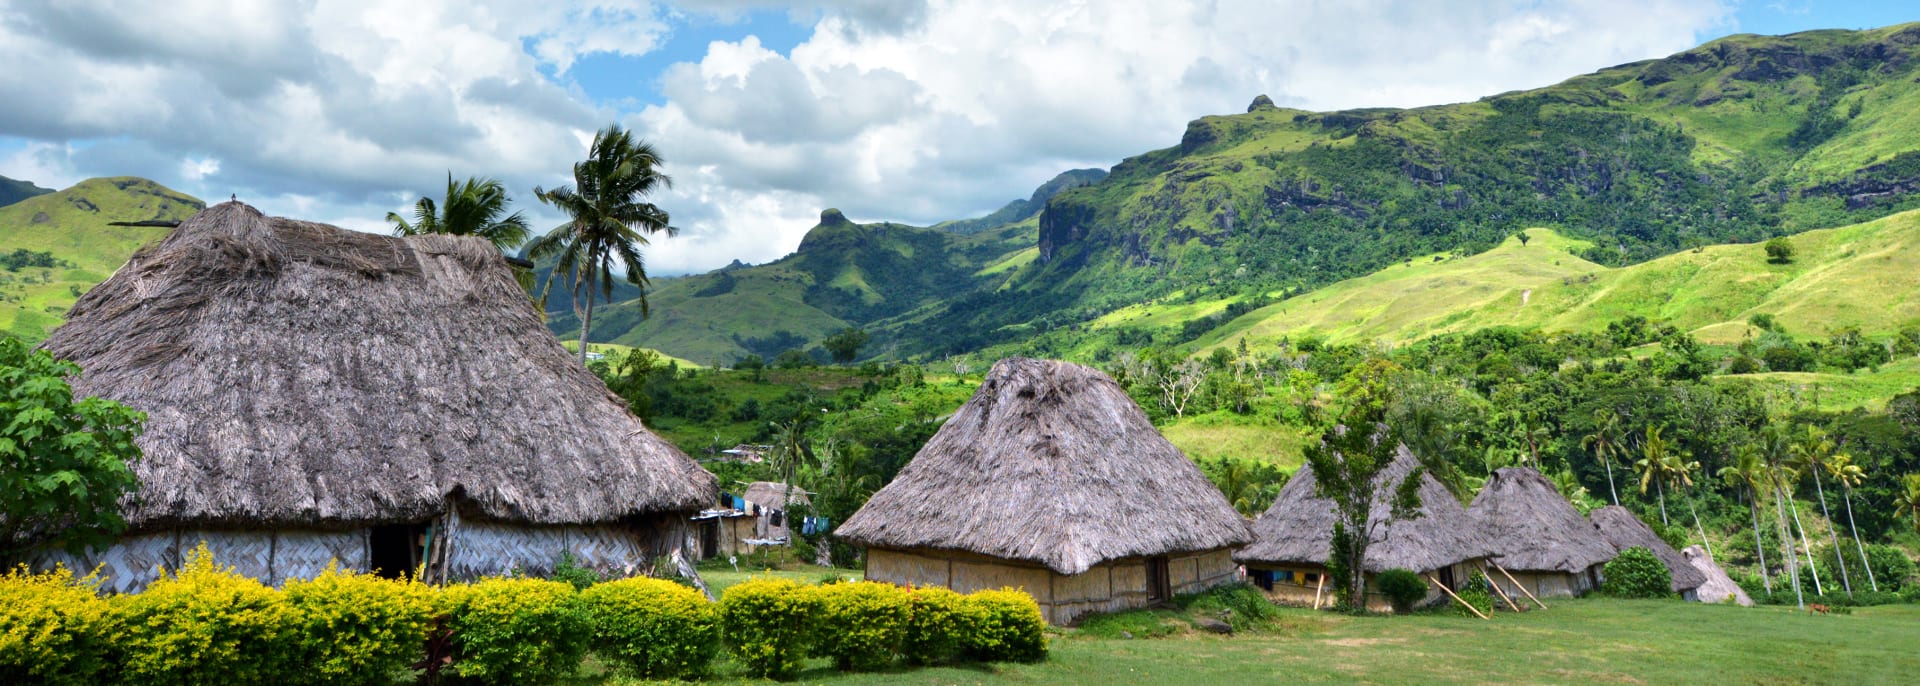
(1543, 543)
(320, 394)
(1624, 531)
(1052, 480)
(1292, 540)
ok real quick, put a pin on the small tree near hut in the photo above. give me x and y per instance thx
(1347, 463)
(64, 463)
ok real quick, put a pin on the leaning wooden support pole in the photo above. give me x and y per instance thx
(1516, 584)
(1316, 591)
(1503, 596)
(1465, 604)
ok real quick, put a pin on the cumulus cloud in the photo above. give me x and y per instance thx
(341, 110)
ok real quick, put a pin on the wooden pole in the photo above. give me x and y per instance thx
(1465, 604)
(1503, 596)
(1516, 584)
(1316, 591)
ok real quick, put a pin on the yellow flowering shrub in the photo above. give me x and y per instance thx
(358, 628)
(767, 623)
(860, 625)
(1007, 627)
(206, 624)
(938, 620)
(517, 631)
(54, 629)
(657, 628)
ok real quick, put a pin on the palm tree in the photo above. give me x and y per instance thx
(1906, 501)
(1653, 467)
(1850, 475)
(1534, 434)
(1605, 444)
(609, 220)
(1747, 473)
(1786, 537)
(1814, 453)
(475, 207)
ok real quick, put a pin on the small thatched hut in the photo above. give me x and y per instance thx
(1543, 543)
(1052, 480)
(320, 394)
(1292, 540)
(1719, 588)
(770, 502)
(1624, 531)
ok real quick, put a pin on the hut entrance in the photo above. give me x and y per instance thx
(1159, 586)
(1446, 577)
(710, 538)
(393, 550)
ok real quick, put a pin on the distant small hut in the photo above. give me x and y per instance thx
(1292, 540)
(1542, 541)
(1051, 479)
(769, 501)
(395, 404)
(1624, 531)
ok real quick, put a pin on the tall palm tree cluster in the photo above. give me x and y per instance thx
(608, 220)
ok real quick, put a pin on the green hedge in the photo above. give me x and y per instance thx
(54, 629)
(1636, 573)
(1007, 627)
(938, 622)
(860, 625)
(358, 628)
(517, 631)
(767, 625)
(656, 628)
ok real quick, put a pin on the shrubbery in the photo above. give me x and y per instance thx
(860, 625)
(938, 622)
(657, 628)
(206, 624)
(1402, 587)
(767, 625)
(54, 629)
(1008, 627)
(517, 631)
(1636, 573)
(357, 628)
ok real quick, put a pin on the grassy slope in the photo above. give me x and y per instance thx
(72, 225)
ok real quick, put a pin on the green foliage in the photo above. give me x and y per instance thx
(1475, 594)
(1249, 484)
(54, 629)
(845, 344)
(1352, 453)
(475, 207)
(64, 463)
(938, 623)
(1892, 569)
(1779, 250)
(22, 258)
(570, 571)
(768, 625)
(1402, 587)
(860, 625)
(656, 628)
(206, 624)
(517, 631)
(1245, 605)
(1636, 573)
(1008, 627)
(357, 628)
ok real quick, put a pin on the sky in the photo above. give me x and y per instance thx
(765, 111)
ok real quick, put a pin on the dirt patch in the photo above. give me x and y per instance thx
(1357, 642)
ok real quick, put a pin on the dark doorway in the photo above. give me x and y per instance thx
(394, 549)
(710, 538)
(1446, 578)
(1159, 586)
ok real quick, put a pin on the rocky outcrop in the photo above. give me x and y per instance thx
(1261, 102)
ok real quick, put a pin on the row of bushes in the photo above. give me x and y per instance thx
(206, 624)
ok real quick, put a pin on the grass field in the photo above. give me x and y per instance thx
(1589, 641)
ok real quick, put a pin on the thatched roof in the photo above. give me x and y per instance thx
(1052, 463)
(1719, 587)
(773, 494)
(1298, 528)
(1624, 531)
(302, 374)
(1533, 528)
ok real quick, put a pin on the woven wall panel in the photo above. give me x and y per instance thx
(127, 566)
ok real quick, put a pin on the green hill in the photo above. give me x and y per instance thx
(71, 228)
(13, 190)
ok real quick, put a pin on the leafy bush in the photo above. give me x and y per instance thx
(1247, 607)
(64, 462)
(1474, 594)
(766, 624)
(860, 624)
(1008, 627)
(357, 628)
(1402, 587)
(937, 622)
(54, 629)
(1779, 250)
(1636, 573)
(1891, 568)
(570, 571)
(517, 631)
(206, 624)
(655, 627)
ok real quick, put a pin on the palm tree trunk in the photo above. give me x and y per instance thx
(1831, 534)
(1697, 526)
(1610, 489)
(586, 322)
(1856, 541)
(1753, 505)
(1807, 545)
(1786, 546)
(1662, 490)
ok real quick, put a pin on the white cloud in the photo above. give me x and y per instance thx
(342, 110)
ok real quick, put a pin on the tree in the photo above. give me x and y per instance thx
(1178, 384)
(1523, 238)
(1348, 464)
(845, 344)
(1850, 475)
(1814, 453)
(1656, 466)
(1906, 501)
(608, 221)
(475, 207)
(64, 463)
(1747, 473)
(1779, 250)
(1779, 450)
(1605, 444)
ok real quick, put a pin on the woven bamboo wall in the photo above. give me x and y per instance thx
(270, 556)
(1543, 584)
(482, 548)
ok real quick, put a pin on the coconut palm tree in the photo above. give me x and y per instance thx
(475, 207)
(1850, 475)
(1778, 448)
(1747, 473)
(1813, 453)
(1906, 501)
(1605, 444)
(609, 221)
(1656, 457)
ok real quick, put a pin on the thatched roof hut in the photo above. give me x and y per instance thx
(1719, 587)
(1048, 476)
(302, 376)
(1539, 536)
(1624, 531)
(1298, 527)
(773, 494)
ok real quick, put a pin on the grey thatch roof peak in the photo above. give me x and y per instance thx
(1624, 530)
(1049, 462)
(299, 374)
(773, 494)
(1298, 528)
(1533, 528)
